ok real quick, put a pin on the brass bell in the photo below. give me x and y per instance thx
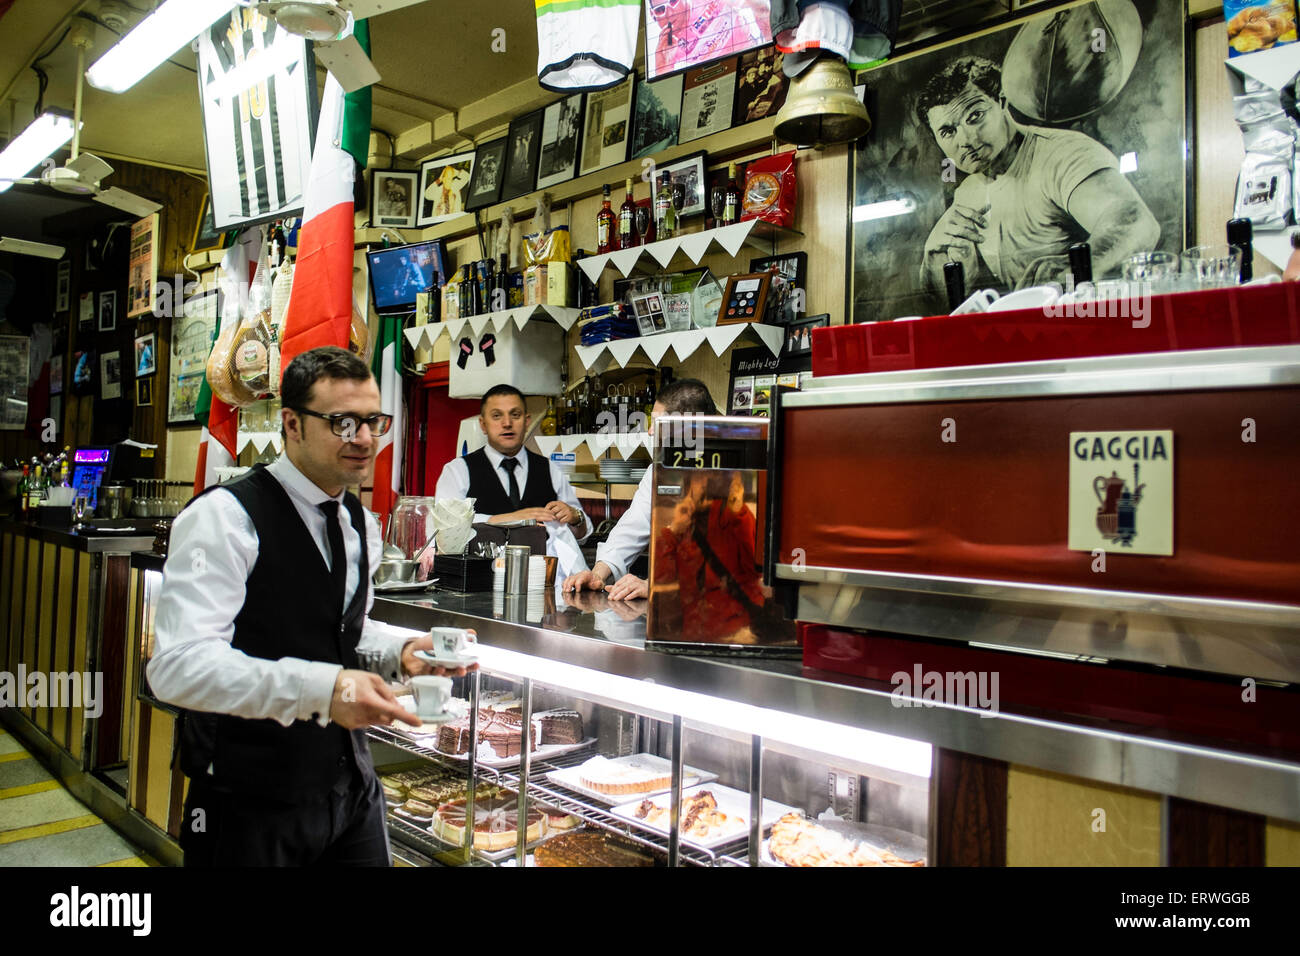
(821, 108)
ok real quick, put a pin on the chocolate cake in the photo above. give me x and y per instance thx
(560, 727)
(499, 730)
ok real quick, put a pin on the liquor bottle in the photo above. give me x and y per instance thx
(731, 198)
(36, 491)
(550, 421)
(451, 298)
(481, 279)
(24, 489)
(626, 220)
(606, 240)
(503, 282)
(1241, 235)
(468, 299)
(665, 216)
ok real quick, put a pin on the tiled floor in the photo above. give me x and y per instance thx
(41, 824)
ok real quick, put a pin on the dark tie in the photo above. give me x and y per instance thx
(338, 558)
(510, 464)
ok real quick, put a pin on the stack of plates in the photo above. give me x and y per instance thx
(624, 471)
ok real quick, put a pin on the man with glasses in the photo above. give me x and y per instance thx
(262, 635)
(507, 482)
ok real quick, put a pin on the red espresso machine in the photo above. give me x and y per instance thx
(1116, 535)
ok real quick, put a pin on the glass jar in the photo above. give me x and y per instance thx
(411, 525)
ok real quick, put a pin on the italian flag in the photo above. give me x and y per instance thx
(387, 367)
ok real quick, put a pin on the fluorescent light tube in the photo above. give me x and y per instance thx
(47, 133)
(25, 248)
(154, 39)
(883, 210)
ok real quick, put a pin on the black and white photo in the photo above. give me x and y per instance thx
(485, 181)
(110, 375)
(1002, 163)
(557, 162)
(108, 311)
(687, 172)
(392, 198)
(63, 286)
(760, 85)
(608, 126)
(658, 114)
(525, 140)
(708, 97)
(443, 185)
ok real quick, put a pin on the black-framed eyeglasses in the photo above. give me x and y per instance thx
(347, 426)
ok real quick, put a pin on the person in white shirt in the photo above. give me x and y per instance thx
(631, 536)
(262, 635)
(507, 482)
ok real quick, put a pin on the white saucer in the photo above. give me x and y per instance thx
(446, 717)
(403, 586)
(446, 661)
(1035, 297)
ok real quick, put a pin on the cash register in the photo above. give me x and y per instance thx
(95, 466)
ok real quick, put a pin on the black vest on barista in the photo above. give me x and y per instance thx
(284, 615)
(489, 494)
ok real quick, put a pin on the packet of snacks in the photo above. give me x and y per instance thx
(770, 190)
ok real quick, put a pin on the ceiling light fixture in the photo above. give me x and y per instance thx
(25, 248)
(154, 39)
(47, 133)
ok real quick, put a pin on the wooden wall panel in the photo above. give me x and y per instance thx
(85, 618)
(31, 609)
(64, 615)
(970, 810)
(1281, 843)
(1204, 835)
(7, 573)
(158, 788)
(45, 626)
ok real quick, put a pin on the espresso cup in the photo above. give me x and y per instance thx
(449, 642)
(431, 695)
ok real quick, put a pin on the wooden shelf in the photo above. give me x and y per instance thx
(424, 336)
(693, 245)
(683, 344)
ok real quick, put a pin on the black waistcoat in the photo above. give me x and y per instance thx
(284, 616)
(490, 497)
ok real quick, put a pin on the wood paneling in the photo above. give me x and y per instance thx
(64, 615)
(85, 621)
(158, 788)
(31, 608)
(970, 810)
(7, 571)
(45, 628)
(112, 655)
(1281, 844)
(1203, 835)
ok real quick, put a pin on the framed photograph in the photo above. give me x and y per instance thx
(486, 179)
(192, 337)
(14, 358)
(608, 126)
(206, 234)
(142, 270)
(745, 298)
(143, 392)
(708, 97)
(679, 35)
(1043, 160)
(444, 183)
(657, 115)
(649, 312)
(688, 172)
(146, 358)
(561, 132)
(761, 85)
(108, 311)
(110, 375)
(524, 143)
(392, 198)
(258, 139)
(86, 310)
(63, 286)
(83, 372)
(798, 334)
(56, 374)
(792, 268)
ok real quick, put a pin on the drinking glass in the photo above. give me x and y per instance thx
(1212, 267)
(1155, 270)
(642, 218)
(81, 507)
(679, 199)
(717, 202)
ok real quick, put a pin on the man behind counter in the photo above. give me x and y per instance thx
(682, 396)
(263, 636)
(507, 482)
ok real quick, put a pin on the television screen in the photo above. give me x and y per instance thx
(398, 273)
(680, 34)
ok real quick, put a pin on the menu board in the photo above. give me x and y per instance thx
(13, 381)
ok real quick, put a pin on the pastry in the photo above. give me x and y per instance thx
(496, 823)
(560, 727)
(796, 841)
(701, 817)
(626, 775)
(393, 794)
(590, 848)
(559, 819)
(498, 734)
(415, 811)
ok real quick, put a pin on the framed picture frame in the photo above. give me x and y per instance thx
(761, 85)
(86, 310)
(657, 116)
(108, 311)
(690, 172)
(524, 142)
(708, 99)
(392, 198)
(14, 356)
(206, 235)
(191, 343)
(679, 36)
(648, 309)
(63, 286)
(798, 334)
(110, 375)
(557, 160)
(792, 267)
(444, 185)
(1060, 142)
(143, 392)
(608, 126)
(489, 173)
(146, 354)
(745, 298)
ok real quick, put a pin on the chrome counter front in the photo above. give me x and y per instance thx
(597, 637)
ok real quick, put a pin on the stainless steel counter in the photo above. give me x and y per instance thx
(604, 637)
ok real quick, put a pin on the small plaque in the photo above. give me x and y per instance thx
(1122, 492)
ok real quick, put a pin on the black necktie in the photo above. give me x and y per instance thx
(510, 464)
(338, 558)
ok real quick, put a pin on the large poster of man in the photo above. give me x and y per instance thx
(1002, 151)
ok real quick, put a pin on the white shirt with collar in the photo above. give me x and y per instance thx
(631, 535)
(212, 551)
(454, 483)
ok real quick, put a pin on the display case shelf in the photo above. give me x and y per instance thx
(684, 344)
(694, 246)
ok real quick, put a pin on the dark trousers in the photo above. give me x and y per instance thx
(343, 826)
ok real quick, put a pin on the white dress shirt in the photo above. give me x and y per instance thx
(212, 551)
(631, 535)
(454, 483)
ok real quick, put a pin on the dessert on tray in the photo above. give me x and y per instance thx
(797, 841)
(498, 730)
(559, 819)
(496, 822)
(623, 776)
(590, 848)
(559, 726)
(700, 816)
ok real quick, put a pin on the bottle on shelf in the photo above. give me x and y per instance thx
(606, 238)
(468, 291)
(24, 489)
(627, 220)
(665, 215)
(451, 297)
(550, 421)
(37, 490)
(731, 198)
